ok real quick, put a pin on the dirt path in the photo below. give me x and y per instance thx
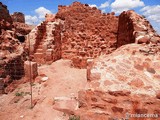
(63, 81)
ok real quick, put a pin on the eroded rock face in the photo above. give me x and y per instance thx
(18, 17)
(134, 28)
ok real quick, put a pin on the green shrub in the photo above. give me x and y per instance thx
(74, 117)
(19, 94)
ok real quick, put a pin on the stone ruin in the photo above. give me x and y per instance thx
(18, 17)
(79, 32)
(96, 41)
(5, 18)
(12, 52)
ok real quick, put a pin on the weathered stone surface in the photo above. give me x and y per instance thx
(50, 17)
(125, 81)
(135, 28)
(45, 42)
(158, 94)
(18, 17)
(137, 83)
(86, 35)
(22, 28)
(5, 18)
(76, 33)
(112, 95)
(31, 70)
(66, 105)
(143, 40)
(107, 106)
(12, 53)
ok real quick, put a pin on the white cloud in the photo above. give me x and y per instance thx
(119, 6)
(31, 19)
(41, 12)
(152, 12)
(103, 10)
(38, 17)
(157, 29)
(93, 5)
(104, 5)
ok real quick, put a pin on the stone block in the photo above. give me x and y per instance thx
(66, 105)
(89, 65)
(49, 55)
(30, 69)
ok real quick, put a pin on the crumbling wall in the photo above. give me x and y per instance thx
(45, 41)
(18, 17)
(125, 81)
(15, 68)
(35, 37)
(134, 28)
(57, 51)
(5, 18)
(87, 33)
(22, 28)
(10, 70)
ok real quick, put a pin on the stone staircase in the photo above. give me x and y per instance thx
(39, 54)
(44, 51)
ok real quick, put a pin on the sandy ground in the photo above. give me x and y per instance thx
(63, 81)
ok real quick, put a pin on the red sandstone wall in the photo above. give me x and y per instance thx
(11, 50)
(57, 52)
(18, 17)
(45, 42)
(111, 105)
(10, 70)
(133, 28)
(5, 18)
(87, 33)
(22, 28)
(125, 30)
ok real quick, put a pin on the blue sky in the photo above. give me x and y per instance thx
(35, 10)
